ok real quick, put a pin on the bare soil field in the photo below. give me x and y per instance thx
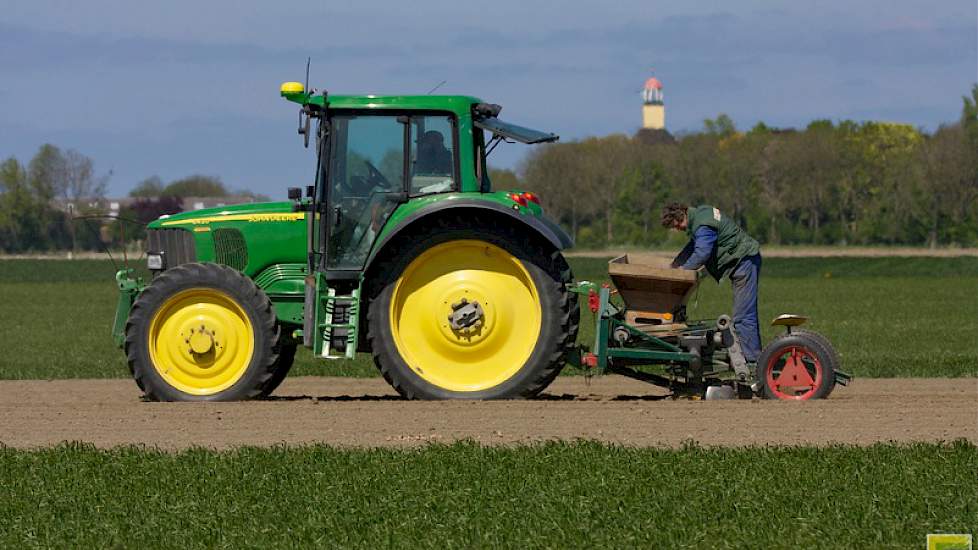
(367, 413)
(804, 252)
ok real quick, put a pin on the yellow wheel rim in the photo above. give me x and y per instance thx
(201, 341)
(502, 327)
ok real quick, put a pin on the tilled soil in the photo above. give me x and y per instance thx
(367, 413)
(803, 252)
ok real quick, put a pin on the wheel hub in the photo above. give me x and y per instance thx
(466, 314)
(201, 340)
(794, 373)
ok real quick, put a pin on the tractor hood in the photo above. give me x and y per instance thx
(257, 211)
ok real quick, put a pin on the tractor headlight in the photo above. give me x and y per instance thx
(154, 261)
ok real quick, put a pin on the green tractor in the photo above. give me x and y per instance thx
(400, 249)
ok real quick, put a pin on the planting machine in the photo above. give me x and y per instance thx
(402, 249)
(648, 327)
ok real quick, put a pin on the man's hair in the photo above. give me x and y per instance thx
(673, 213)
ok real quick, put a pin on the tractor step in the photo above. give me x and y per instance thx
(340, 336)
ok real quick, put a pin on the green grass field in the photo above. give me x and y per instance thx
(886, 316)
(555, 495)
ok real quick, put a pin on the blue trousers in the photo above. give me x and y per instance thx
(745, 279)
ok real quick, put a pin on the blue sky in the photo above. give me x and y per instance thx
(180, 87)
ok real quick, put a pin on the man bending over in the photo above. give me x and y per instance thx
(725, 250)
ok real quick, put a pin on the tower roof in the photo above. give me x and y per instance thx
(653, 84)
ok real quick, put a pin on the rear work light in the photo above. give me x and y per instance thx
(518, 198)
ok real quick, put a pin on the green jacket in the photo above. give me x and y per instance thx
(733, 243)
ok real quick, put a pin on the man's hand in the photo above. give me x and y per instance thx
(683, 255)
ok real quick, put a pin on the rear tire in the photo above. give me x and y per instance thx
(202, 332)
(530, 318)
(797, 366)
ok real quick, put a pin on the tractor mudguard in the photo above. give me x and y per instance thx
(539, 224)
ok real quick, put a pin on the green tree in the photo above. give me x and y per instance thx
(722, 126)
(642, 189)
(969, 115)
(392, 165)
(47, 172)
(148, 188)
(946, 194)
(503, 179)
(196, 186)
(22, 213)
(80, 181)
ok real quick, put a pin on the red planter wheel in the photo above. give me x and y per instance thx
(797, 366)
(795, 374)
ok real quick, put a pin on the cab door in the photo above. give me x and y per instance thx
(364, 183)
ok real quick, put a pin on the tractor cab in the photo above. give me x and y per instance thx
(390, 170)
(377, 153)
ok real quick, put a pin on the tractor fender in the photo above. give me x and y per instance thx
(538, 224)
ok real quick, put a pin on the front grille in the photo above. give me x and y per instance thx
(230, 248)
(176, 245)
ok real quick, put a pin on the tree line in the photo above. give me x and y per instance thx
(845, 183)
(56, 202)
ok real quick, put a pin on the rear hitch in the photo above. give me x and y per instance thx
(842, 378)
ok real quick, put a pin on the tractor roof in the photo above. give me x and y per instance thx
(459, 104)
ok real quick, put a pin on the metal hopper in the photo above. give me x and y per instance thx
(654, 293)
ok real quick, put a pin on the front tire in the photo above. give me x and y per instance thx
(202, 332)
(520, 316)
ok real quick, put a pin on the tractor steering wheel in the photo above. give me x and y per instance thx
(376, 177)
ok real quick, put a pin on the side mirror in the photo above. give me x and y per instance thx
(295, 193)
(310, 191)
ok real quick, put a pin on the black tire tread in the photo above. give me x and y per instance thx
(543, 255)
(828, 347)
(208, 275)
(827, 355)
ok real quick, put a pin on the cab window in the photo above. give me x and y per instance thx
(366, 167)
(432, 155)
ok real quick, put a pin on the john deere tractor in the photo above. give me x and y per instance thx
(401, 249)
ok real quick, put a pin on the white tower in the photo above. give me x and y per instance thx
(653, 108)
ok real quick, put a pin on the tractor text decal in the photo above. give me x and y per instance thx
(284, 217)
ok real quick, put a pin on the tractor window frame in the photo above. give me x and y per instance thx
(410, 113)
(332, 151)
(324, 189)
(479, 152)
(456, 171)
